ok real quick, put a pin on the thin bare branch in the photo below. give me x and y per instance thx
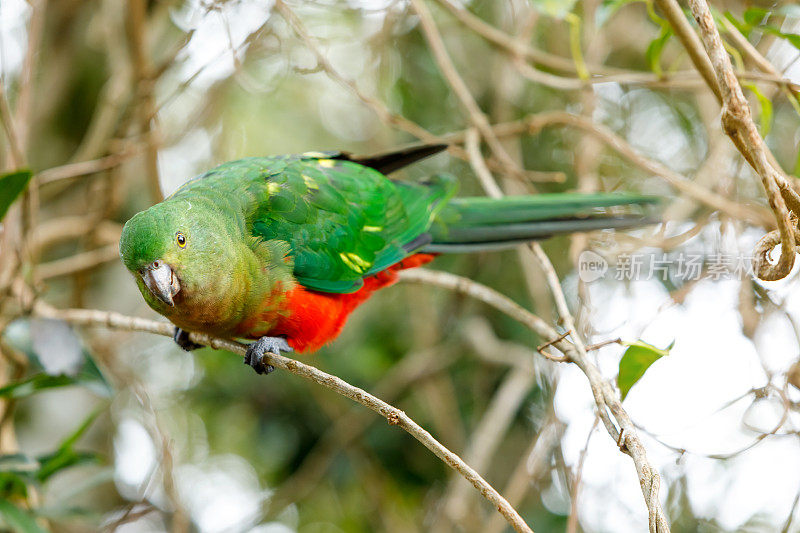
(84, 168)
(448, 69)
(143, 73)
(393, 415)
(604, 393)
(16, 156)
(78, 262)
(738, 123)
(683, 29)
(572, 521)
(691, 189)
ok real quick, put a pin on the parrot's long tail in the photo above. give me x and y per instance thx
(480, 223)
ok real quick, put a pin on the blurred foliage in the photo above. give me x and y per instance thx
(11, 186)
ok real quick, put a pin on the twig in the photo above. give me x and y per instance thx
(7, 118)
(738, 123)
(558, 296)
(788, 524)
(383, 112)
(448, 69)
(24, 100)
(604, 393)
(489, 434)
(380, 108)
(78, 262)
(533, 465)
(472, 144)
(522, 52)
(83, 168)
(597, 346)
(561, 359)
(60, 229)
(691, 189)
(760, 61)
(572, 521)
(489, 296)
(685, 33)
(393, 415)
(410, 369)
(143, 74)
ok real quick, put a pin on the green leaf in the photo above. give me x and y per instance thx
(742, 26)
(755, 15)
(63, 459)
(655, 48)
(19, 470)
(65, 456)
(797, 163)
(11, 186)
(73, 437)
(765, 117)
(18, 334)
(18, 520)
(90, 378)
(792, 38)
(14, 485)
(34, 384)
(635, 362)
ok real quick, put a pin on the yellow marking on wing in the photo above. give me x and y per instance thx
(314, 154)
(326, 163)
(272, 188)
(311, 183)
(355, 262)
(373, 228)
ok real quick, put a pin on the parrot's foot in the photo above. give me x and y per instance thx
(181, 338)
(255, 352)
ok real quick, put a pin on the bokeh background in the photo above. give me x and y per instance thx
(114, 104)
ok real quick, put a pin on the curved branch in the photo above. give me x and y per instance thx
(737, 121)
(604, 393)
(533, 123)
(393, 415)
(710, 57)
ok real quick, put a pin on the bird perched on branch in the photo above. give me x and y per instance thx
(282, 249)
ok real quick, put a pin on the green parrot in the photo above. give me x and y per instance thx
(282, 249)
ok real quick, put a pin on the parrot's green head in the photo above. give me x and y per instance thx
(175, 249)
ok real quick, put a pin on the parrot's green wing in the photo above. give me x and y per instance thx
(340, 219)
(343, 220)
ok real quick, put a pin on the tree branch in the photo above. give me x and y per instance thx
(737, 122)
(393, 415)
(604, 393)
(534, 123)
(686, 34)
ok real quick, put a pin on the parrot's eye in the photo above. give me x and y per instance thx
(181, 238)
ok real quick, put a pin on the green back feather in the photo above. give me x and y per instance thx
(329, 222)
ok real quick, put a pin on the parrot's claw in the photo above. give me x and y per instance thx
(255, 352)
(181, 338)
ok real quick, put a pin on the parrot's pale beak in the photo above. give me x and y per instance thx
(161, 281)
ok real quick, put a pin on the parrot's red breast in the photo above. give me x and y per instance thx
(311, 319)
